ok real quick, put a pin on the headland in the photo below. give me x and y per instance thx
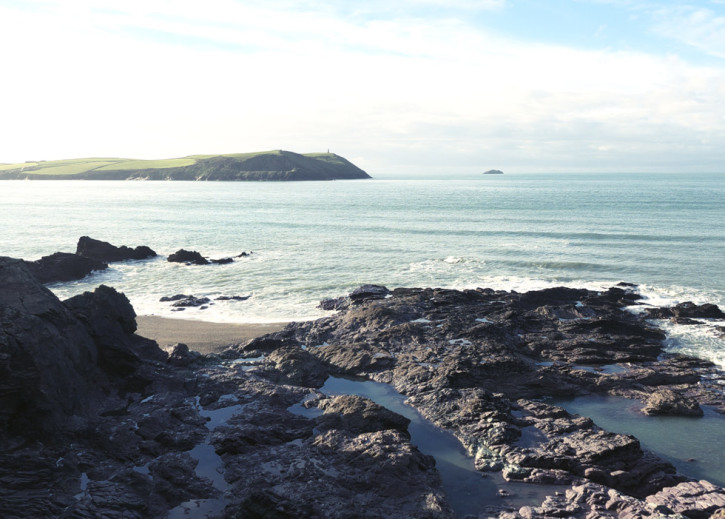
(277, 165)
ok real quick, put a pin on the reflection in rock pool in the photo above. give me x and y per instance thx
(468, 491)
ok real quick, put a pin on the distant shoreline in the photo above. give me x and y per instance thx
(277, 165)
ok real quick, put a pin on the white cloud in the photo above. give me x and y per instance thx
(158, 79)
(698, 27)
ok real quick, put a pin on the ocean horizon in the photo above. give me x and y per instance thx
(314, 240)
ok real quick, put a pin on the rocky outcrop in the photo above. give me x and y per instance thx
(669, 402)
(63, 266)
(474, 361)
(105, 252)
(127, 431)
(91, 255)
(694, 499)
(687, 310)
(48, 359)
(195, 258)
(189, 257)
(59, 359)
(184, 300)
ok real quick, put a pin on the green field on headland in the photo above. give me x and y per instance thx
(275, 165)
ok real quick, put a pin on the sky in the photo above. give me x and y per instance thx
(397, 87)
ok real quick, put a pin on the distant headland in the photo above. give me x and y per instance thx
(493, 172)
(277, 165)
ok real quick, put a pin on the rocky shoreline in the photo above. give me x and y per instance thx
(96, 421)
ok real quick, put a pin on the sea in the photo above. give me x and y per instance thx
(315, 240)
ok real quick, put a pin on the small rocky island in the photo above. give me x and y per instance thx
(278, 165)
(493, 172)
(96, 421)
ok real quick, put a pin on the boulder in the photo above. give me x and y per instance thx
(359, 415)
(670, 403)
(183, 300)
(232, 298)
(688, 309)
(189, 257)
(63, 266)
(695, 499)
(111, 321)
(104, 251)
(368, 292)
(48, 359)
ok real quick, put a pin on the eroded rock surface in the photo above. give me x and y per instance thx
(63, 266)
(135, 433)
(103, 251)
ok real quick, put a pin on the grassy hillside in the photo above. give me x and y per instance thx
(275, 165)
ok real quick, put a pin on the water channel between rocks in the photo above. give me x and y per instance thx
(468, 490)
(210, 466)
(693, 445)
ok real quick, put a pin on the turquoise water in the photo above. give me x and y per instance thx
(693, 445)
(316, 240)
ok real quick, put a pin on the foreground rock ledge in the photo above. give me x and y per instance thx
(125, 443)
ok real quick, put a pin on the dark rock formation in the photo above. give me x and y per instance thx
(63, 266)
(48, 359)
(188, 257)
(359, 415)
(669, 402)
(232, 298)
(183, 300)
(687, 309)
(694, 499)
(105, 252)
(128, 432)
(57, 359)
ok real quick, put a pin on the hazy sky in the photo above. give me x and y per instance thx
(395, 86)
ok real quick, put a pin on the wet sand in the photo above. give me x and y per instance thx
(201, 336)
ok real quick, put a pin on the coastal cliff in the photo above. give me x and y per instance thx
(278, 165)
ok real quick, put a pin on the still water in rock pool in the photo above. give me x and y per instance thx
(468, 491)
(693, 445)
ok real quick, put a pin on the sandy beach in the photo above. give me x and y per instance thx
(202, 336)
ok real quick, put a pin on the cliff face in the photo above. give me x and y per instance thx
(265, 166)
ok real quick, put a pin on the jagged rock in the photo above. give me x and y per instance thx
(181, 355)
(188, 257)
(175, 479)
(688, 309)
(105, 252)
(338, 303)
(671, 403)
(695, 499)
(475, 362)
(590, 500)
(298, 367)
(367, 292)
(232, 298)
(222, 261)
(63, 266)
(185, 301)
(358, 415)
(111, 321)
(48, 359)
